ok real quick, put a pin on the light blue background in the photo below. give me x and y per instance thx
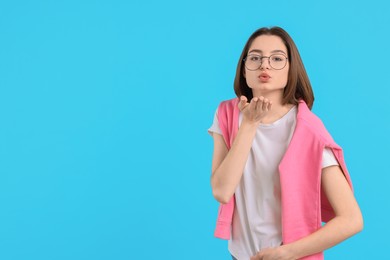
(104, 107)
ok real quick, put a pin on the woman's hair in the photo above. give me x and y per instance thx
(298, 84)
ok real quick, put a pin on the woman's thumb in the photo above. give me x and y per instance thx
(243, 102)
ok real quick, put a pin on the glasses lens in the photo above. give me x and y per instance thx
(253, 62)
(277, 61)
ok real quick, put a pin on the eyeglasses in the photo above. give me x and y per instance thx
(276, 61)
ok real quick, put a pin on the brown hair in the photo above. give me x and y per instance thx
(298, 83)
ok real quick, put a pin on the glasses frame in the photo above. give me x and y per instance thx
(261, 63)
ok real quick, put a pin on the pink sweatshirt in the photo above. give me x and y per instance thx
(304, 205)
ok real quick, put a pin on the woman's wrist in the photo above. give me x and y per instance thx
(249, 124)
(291, 251)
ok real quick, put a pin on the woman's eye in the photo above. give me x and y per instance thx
(254, 58)
(278, 58)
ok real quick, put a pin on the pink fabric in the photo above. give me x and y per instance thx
(229, 127)
(304, 205)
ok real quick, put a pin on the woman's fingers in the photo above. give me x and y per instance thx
(269, 105)
(263, 104)
(259, 103)
(243, 103)
(256, 108)
(253, 104)
(266, 104)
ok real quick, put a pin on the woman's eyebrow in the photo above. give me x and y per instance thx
(260, 51)
(255, 50)
(275, 51)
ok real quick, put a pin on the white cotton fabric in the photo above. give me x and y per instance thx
(257, 214)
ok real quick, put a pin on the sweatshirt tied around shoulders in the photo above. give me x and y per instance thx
(304, 204)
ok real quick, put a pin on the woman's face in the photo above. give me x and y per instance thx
(266, 78)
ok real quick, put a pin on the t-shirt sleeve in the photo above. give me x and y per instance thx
(214, 128)
(328, 158)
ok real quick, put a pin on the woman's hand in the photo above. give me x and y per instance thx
(275, 253)
(254, 111)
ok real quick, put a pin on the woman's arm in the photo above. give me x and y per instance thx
(228, 166)
(347, 222)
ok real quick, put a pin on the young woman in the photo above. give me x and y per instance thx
(276, 171)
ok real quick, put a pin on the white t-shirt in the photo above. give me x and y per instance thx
(257, 214)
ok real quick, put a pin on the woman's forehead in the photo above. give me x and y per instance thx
(268, 44)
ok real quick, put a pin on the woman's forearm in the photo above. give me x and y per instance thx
(227, 175)
(334, 232)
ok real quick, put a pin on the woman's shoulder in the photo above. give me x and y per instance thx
(312, 123)
(229, 106)
(229, 102)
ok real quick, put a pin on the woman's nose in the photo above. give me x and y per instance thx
(264, 64)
